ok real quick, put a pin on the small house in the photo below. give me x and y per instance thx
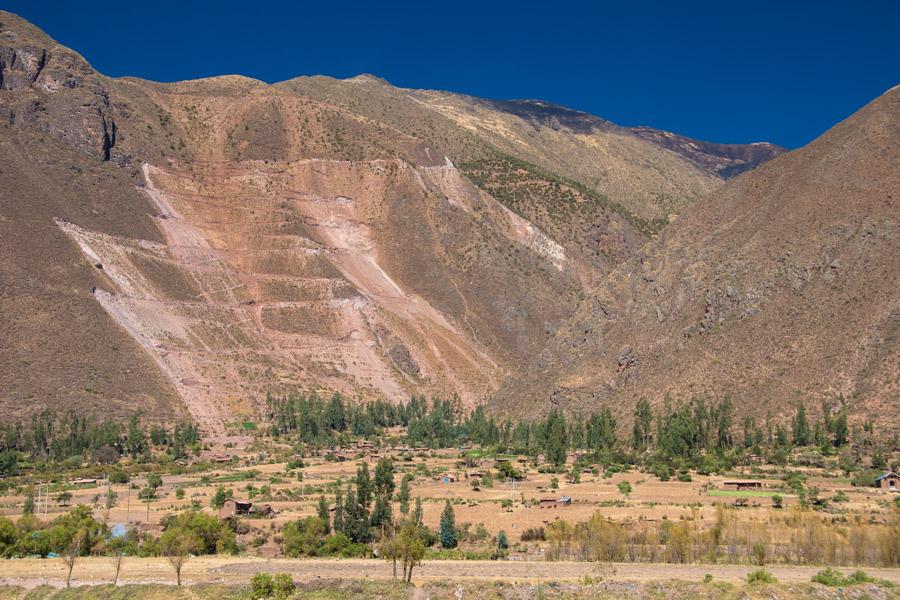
(889, 481)
(448, 478)
(233, 507)
(743, 485)
(564, 501)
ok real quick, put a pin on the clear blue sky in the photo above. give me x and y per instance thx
(722, 71)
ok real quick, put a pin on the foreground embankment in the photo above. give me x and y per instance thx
(222, 578)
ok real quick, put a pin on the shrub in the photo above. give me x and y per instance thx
(283, 585)
(533, 534)
(778, 501)
(662, 471)
(262, 586)
(502, 541)
(118, 476)
(684, 476)
(834, 578)
(829, 577)
(624, 487)
(761, 576)
(304, 537)
(508, 471)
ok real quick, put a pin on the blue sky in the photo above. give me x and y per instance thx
(721, 71)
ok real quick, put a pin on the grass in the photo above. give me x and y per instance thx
(742, 494)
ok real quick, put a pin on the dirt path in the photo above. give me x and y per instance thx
(32, 572)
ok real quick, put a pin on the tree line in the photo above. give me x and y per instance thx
(52, 436)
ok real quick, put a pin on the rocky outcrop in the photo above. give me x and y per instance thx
(725, 160)
(20, 67)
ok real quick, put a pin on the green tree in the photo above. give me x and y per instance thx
(136, 440)
(724, 420)
(841, 431)
(323, 513)
(338, 526)
(356, 518)
(555, 438)
(177, 544)
(448, 527)
(384, 477)
(363, 486)
(410, 548)
(381, 513)
(8, 461)
(403, 495)
(417, 512)
(601, 430)
(28, 507)
(643, 423)
(304, 537)
(502, 540)
(220, 496)
(781, 437)
(800, 427)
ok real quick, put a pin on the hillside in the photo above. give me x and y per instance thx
(187, 248)
(779, 287)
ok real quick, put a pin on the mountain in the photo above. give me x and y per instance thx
(185, 249)
(725, 160)
(779, 287)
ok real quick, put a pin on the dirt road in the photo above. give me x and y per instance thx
(32, 572)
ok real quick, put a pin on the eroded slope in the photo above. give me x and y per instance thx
(780, 287)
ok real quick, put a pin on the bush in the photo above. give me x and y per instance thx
(761, 576)
(305, 537)
(684, 476)
(777, 501)
(864, 478)
(118, 476)
(834, 578)
(262, 586)
(283, 585)
(662, 471)
(508, 471)
(829, 577)
(502, 541)
(533, 534)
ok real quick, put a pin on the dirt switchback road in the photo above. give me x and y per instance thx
(32, 572)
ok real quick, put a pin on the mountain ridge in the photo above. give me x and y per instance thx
(219, 239)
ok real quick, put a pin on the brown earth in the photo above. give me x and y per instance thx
(186, 248)
(30, 573)
(780, 287)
